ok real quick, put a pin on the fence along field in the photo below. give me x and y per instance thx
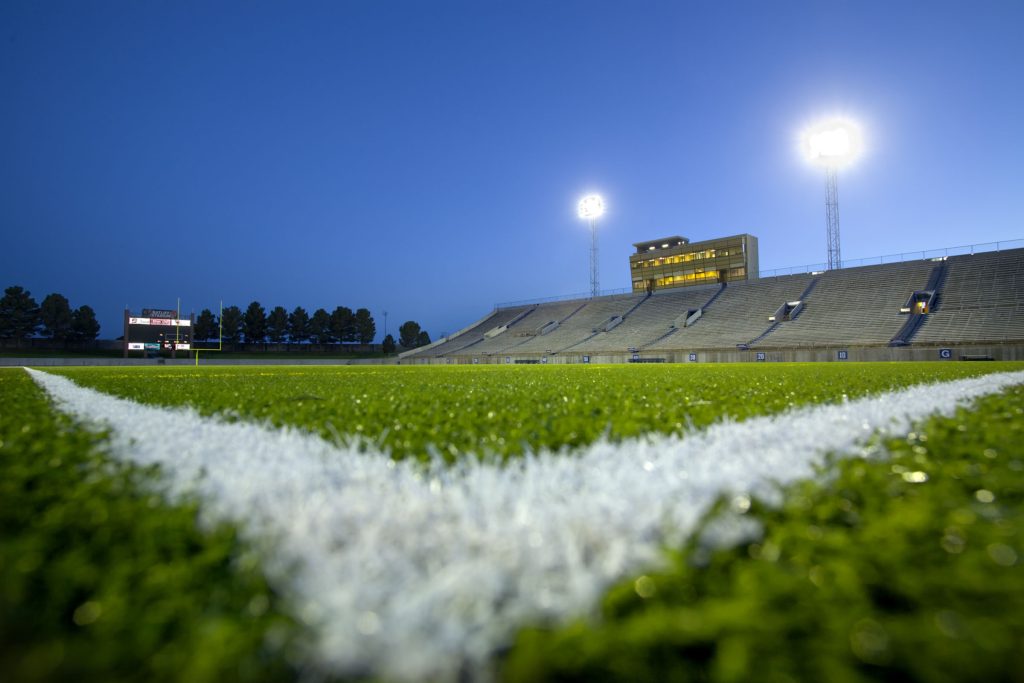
(412, 415)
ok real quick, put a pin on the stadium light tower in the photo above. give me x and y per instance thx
(590, 208)
(832, 144)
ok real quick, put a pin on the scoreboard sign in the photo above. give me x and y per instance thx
(164, 322)
(156, 329)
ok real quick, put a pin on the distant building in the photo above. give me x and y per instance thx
(678, 262)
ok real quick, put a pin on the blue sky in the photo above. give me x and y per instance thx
(425, 158)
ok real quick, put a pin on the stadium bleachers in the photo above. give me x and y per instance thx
(594, 315)
(982, 300)
(853, 306)
(550, 317)
(649, 321)
(475, 334)
(739, 315)
(978, 298)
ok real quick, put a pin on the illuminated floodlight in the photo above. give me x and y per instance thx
(590, 207)
(834, 143)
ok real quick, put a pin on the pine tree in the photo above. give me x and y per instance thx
(84, 326)
(55, 316)
(320, 327)
(343, 324)
(231, 324)
(408, 333)
(298, 325)
(277, 324)
(366, 330)
(254, 323)
(206, 326)
(19, 314)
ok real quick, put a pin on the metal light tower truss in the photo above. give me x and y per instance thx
(832, 217)
(832, 144)
(590, 208)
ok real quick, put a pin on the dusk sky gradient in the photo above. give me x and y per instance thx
(425, 158)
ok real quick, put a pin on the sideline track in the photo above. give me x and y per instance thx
(417, 573)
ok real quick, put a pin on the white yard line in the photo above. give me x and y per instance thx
(413, 574)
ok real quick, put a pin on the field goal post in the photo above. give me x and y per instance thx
(220, 336)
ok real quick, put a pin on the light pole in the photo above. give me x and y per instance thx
(832, 145)
(385, 323)
(590, 208)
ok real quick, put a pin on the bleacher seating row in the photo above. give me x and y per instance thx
(979, 298)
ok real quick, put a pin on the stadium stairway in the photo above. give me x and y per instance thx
(771, 328)
(674, 328)
(474, 334)
(591, 317)
(914, 322)
(608, 325)
(737, 316)
(857, 306)
(982, 301)
(548, 317)
(621, 320)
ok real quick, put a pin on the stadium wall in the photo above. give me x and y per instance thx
(37, 362)
(810, 355)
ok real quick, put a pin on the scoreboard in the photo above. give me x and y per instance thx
(156, 329)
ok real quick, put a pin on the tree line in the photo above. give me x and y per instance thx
(21, 317)
(343, 325)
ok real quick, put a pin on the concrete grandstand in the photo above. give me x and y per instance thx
(968, 306)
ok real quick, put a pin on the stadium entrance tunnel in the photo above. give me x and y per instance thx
(919, 303)
(787, 311)
(691, 316)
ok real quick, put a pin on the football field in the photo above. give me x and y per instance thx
(696, 522)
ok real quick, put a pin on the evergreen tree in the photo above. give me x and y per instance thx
(231, 324)
(389, 344)
(84, 326)
(366, 330)
(206, 326)
(277, 324)
(320, 327)
(422, 339)
(19, 314)
(254, 323)
(298, 325)
(408, 334)
(55, 316)
(343, 324)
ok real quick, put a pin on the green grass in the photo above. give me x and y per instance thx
(865, 573)
(414, 411)
(874, 575)
(102, 580)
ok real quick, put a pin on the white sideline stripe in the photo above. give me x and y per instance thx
(411, 575)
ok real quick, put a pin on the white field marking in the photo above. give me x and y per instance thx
(416, 574)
